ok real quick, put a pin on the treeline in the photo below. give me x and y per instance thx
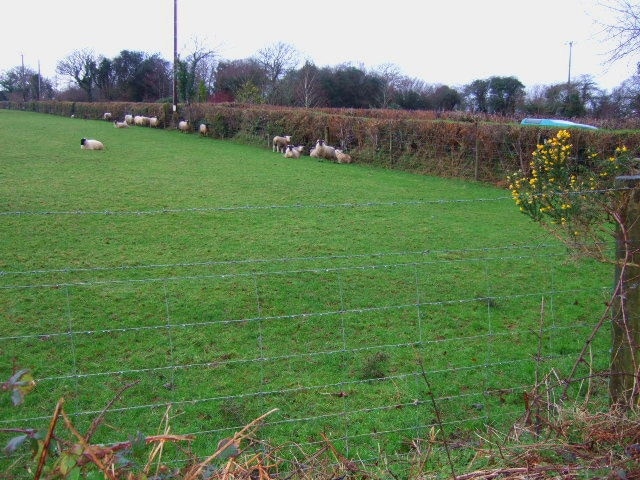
(273, 76)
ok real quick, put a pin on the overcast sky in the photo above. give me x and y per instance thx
(451, 42)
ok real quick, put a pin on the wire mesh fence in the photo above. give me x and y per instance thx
(373, 350)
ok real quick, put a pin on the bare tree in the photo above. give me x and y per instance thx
(306, 88)
(23, 83)
(82, 66)
(197, 69)
(391, 76)
(623, 28)
(276, 60)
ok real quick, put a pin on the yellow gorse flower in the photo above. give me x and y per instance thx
(559, 191)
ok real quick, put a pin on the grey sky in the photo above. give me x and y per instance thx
(450, 42)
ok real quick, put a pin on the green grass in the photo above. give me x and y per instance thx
(228, 280)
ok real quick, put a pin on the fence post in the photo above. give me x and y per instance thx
(623, 381)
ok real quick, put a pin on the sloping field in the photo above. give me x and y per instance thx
(217, 281)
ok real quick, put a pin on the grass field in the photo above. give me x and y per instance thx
(224, 280)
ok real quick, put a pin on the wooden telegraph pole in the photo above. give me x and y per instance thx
(625, 362)
(175, 60)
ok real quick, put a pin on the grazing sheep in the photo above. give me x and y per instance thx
(293, 152)
(280, 143)
(154, 122)
(107, 116)
(203, 129)
(118, 124)
(128, 118)
(142, 120)
(90, 144)
(183, 126)
(343, 157)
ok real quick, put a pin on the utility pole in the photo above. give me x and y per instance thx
(175, 55)
(39, 82)
(22, 80)
(569, 77)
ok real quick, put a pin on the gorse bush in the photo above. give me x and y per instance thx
(584, 204)
(576, 200)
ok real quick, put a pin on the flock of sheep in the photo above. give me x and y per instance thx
(92, 144)
(281, 144)
(139, 120)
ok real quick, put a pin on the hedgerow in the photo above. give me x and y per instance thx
(451, 144)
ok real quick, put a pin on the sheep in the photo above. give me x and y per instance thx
(90, 144)
(154, 122)
(315, 151)
(203, 129)
(142, 120)
(183, 126)
(293, 152)
(343, 157)
(321, 150)
(128, 118)
(118, 124)
(107, 116)
(280, 143)
(329, 152)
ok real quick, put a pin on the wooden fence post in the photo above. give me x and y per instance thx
(623, 383)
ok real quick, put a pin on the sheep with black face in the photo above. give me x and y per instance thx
(322, 150)
(91, 144)
(293, 151)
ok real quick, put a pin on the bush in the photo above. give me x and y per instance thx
(574, 198)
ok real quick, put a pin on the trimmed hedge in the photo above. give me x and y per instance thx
(458, 145)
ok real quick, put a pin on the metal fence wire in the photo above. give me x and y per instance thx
(360, 347)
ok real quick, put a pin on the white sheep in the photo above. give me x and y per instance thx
(321, 150)
(183, 126)
(118, 124)
(343, 157)
(154, 122)
(203, 129)
(106, 116)
(90, 144)
(293, 152)
(128, 118)
(315, 151)
(329, 152)
(138, 120)
(280, 143)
